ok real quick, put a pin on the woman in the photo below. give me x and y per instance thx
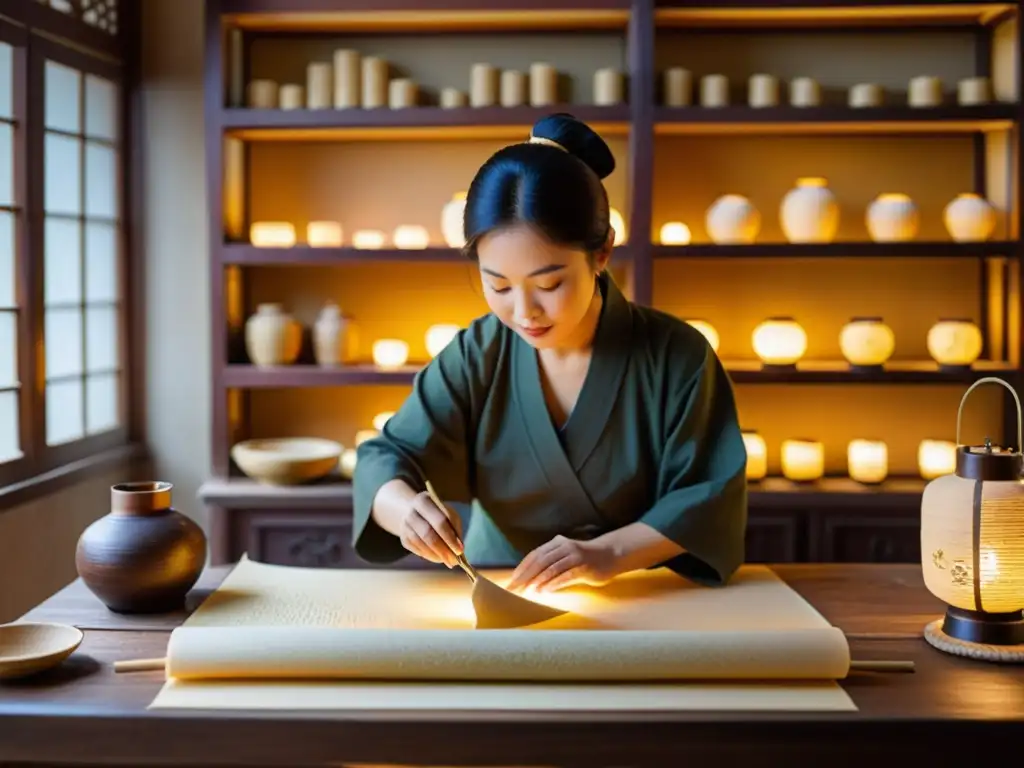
(593, 436)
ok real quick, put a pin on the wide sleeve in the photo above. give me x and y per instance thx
(702, 488)
(430, 437)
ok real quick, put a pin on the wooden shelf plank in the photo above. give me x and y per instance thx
(304, 255)
(770, 493)
(741, 372)
(741, 119)
(426, 123)
(829, 13)
(950, 249)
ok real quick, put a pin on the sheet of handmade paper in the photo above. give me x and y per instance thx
(259, 596)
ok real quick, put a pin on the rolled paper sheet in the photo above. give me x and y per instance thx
(609, 87)
(320, 85)
(375, 82)
(513, 88)
(347, 78)
(678, 87)
(262, 94)
(402, 93)
(543, 84)
(292, 96)
(483, 85)
(337, 653)
(452, 97)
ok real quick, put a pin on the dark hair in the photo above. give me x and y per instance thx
(556, 189)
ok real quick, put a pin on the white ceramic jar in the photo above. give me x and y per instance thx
(970, 218)
(892, 218)
(272, 336)
(733, 219)
(809, 212)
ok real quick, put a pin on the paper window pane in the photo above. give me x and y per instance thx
(63, 98)
(8, 272)
(101, 403)
(101, 112)
(10, 440)
(63, 342)
(8, 349)
(62, 276)
(6, 81)
(101, 273)
(100, 181)
(63, 175)
(101, 338)
(64, 411)
(7, 164)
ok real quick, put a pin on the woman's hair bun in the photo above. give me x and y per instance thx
(579, 139)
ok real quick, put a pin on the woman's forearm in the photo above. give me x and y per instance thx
(638, 546)
(391, 504)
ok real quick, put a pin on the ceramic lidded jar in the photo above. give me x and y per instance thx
(892, 218)
(809, 212)
(970, 218)
(332, 336)
(272, 336)
(143, 556)
(955, 343)
(867, 342)
(732, 219)
(451, 220)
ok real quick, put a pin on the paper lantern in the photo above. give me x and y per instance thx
(972, 540)
(368, 239)
(438, 336)
(674, 233)
(936, 458)
(708, 331)
(757, 455)
(365, 434)
(618, 224)
(867, 342)
(803, 460)
(272, 234)
(390, 353)
(867, 460)
(954, 342)
(381, 419)
(323, 234)
(780, 341)
(411, 236)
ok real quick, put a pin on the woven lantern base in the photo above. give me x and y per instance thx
(1000, 654)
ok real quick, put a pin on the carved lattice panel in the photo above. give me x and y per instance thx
(101, 14)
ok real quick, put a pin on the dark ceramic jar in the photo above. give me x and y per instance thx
(144, 556)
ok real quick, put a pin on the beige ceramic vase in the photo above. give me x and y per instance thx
(809, 212)
(272, 336)
(331, 336)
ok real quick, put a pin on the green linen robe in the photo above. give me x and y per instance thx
(654, 437)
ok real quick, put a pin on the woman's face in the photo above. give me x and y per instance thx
(540, 290)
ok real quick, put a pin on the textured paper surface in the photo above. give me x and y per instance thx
(303, 626)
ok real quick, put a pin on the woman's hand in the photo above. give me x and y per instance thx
(563, 562)
(430, 532)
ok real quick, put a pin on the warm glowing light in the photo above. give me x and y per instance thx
(803, 460)
(867, 341)
(365, 434)
(954, 342)
(390, 353)
(618, 224)
(381, 419)
(369, 239)
(936, 458)
(867, 460)
(272, 234)
(347, 463)
(438, 337)
(323, 234)
(708, 331)
(411, 236)
(757, 455)
(674, 233)
(779, 341)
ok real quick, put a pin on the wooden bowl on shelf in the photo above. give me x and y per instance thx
(287, 460)
(30, 647)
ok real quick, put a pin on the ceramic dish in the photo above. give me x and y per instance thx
(287, 460)
(30, 647)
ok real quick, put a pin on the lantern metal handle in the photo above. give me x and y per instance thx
(992, 380)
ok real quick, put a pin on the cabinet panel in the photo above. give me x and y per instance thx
(869, 538)
(775, 538)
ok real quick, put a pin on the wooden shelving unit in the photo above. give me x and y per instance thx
(832, 519)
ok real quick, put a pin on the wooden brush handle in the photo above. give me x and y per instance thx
(140, 665)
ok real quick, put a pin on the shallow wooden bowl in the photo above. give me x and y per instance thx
(287, 460)
(30, 647)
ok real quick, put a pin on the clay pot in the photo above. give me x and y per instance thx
(144, 556)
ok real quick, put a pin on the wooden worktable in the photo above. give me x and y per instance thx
(83, 714)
